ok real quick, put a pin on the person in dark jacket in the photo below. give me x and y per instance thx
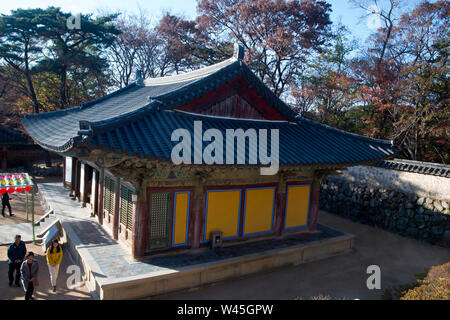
(5, 203)
(29, 271)
(16, 254)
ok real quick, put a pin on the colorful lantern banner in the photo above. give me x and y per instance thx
(15, 182)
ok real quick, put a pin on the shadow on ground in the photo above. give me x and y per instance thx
(44, 290)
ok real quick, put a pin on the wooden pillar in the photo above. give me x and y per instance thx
(101, 190)
(314, 207)
(140, 224)
(197, 215)
(116, 209)
(280, 206)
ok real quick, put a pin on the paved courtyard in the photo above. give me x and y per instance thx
(17, 224)
(342, 276)
(18, 206)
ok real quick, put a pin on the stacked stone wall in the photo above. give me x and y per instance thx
(396, 207)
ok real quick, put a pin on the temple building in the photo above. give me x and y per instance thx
(136, 157)
(9, 140)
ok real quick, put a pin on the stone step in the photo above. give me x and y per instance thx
(45, 225)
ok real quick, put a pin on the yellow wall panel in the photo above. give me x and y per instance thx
(259, 206)
(297, 206)
(181, 218)
(222, 212)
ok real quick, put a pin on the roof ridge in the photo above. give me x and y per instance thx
(190, 75)
(345, 133)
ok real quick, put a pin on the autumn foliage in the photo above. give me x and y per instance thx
(435, 286)
(394, 86)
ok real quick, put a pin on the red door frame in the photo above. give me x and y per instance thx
(172, 191)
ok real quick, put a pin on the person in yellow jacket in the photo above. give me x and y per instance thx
(54, 258)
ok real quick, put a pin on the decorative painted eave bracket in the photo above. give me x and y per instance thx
(85, 128)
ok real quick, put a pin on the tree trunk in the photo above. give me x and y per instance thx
(62, 88)
(36, 104)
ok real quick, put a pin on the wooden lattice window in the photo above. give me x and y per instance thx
(126, 207)
(108, 202)
(159, 219)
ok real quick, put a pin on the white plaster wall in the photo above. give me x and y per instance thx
(94, 182)
(68, 169)
(420, 184)
(82, 178)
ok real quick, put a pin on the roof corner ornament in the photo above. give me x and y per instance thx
(85, 128)
(139, 79)
(239, 51)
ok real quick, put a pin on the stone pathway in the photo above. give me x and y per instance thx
(114, 259)
(44, 290)
(7, 232)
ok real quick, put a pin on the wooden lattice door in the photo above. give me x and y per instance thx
(159, 220)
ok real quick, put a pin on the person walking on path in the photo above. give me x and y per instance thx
(16, 253)
(29, 271)
(54, 258)
(5, 203)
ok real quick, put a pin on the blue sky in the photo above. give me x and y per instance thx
(342, 10)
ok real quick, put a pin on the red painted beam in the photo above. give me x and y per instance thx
(237, 86)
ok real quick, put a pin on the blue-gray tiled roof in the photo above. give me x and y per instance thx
(138, 119)
(55, 130)
(304, 142)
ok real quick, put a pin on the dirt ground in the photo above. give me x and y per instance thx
(44, 290)
(18, 208)
(339, 277)
(18, 204)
